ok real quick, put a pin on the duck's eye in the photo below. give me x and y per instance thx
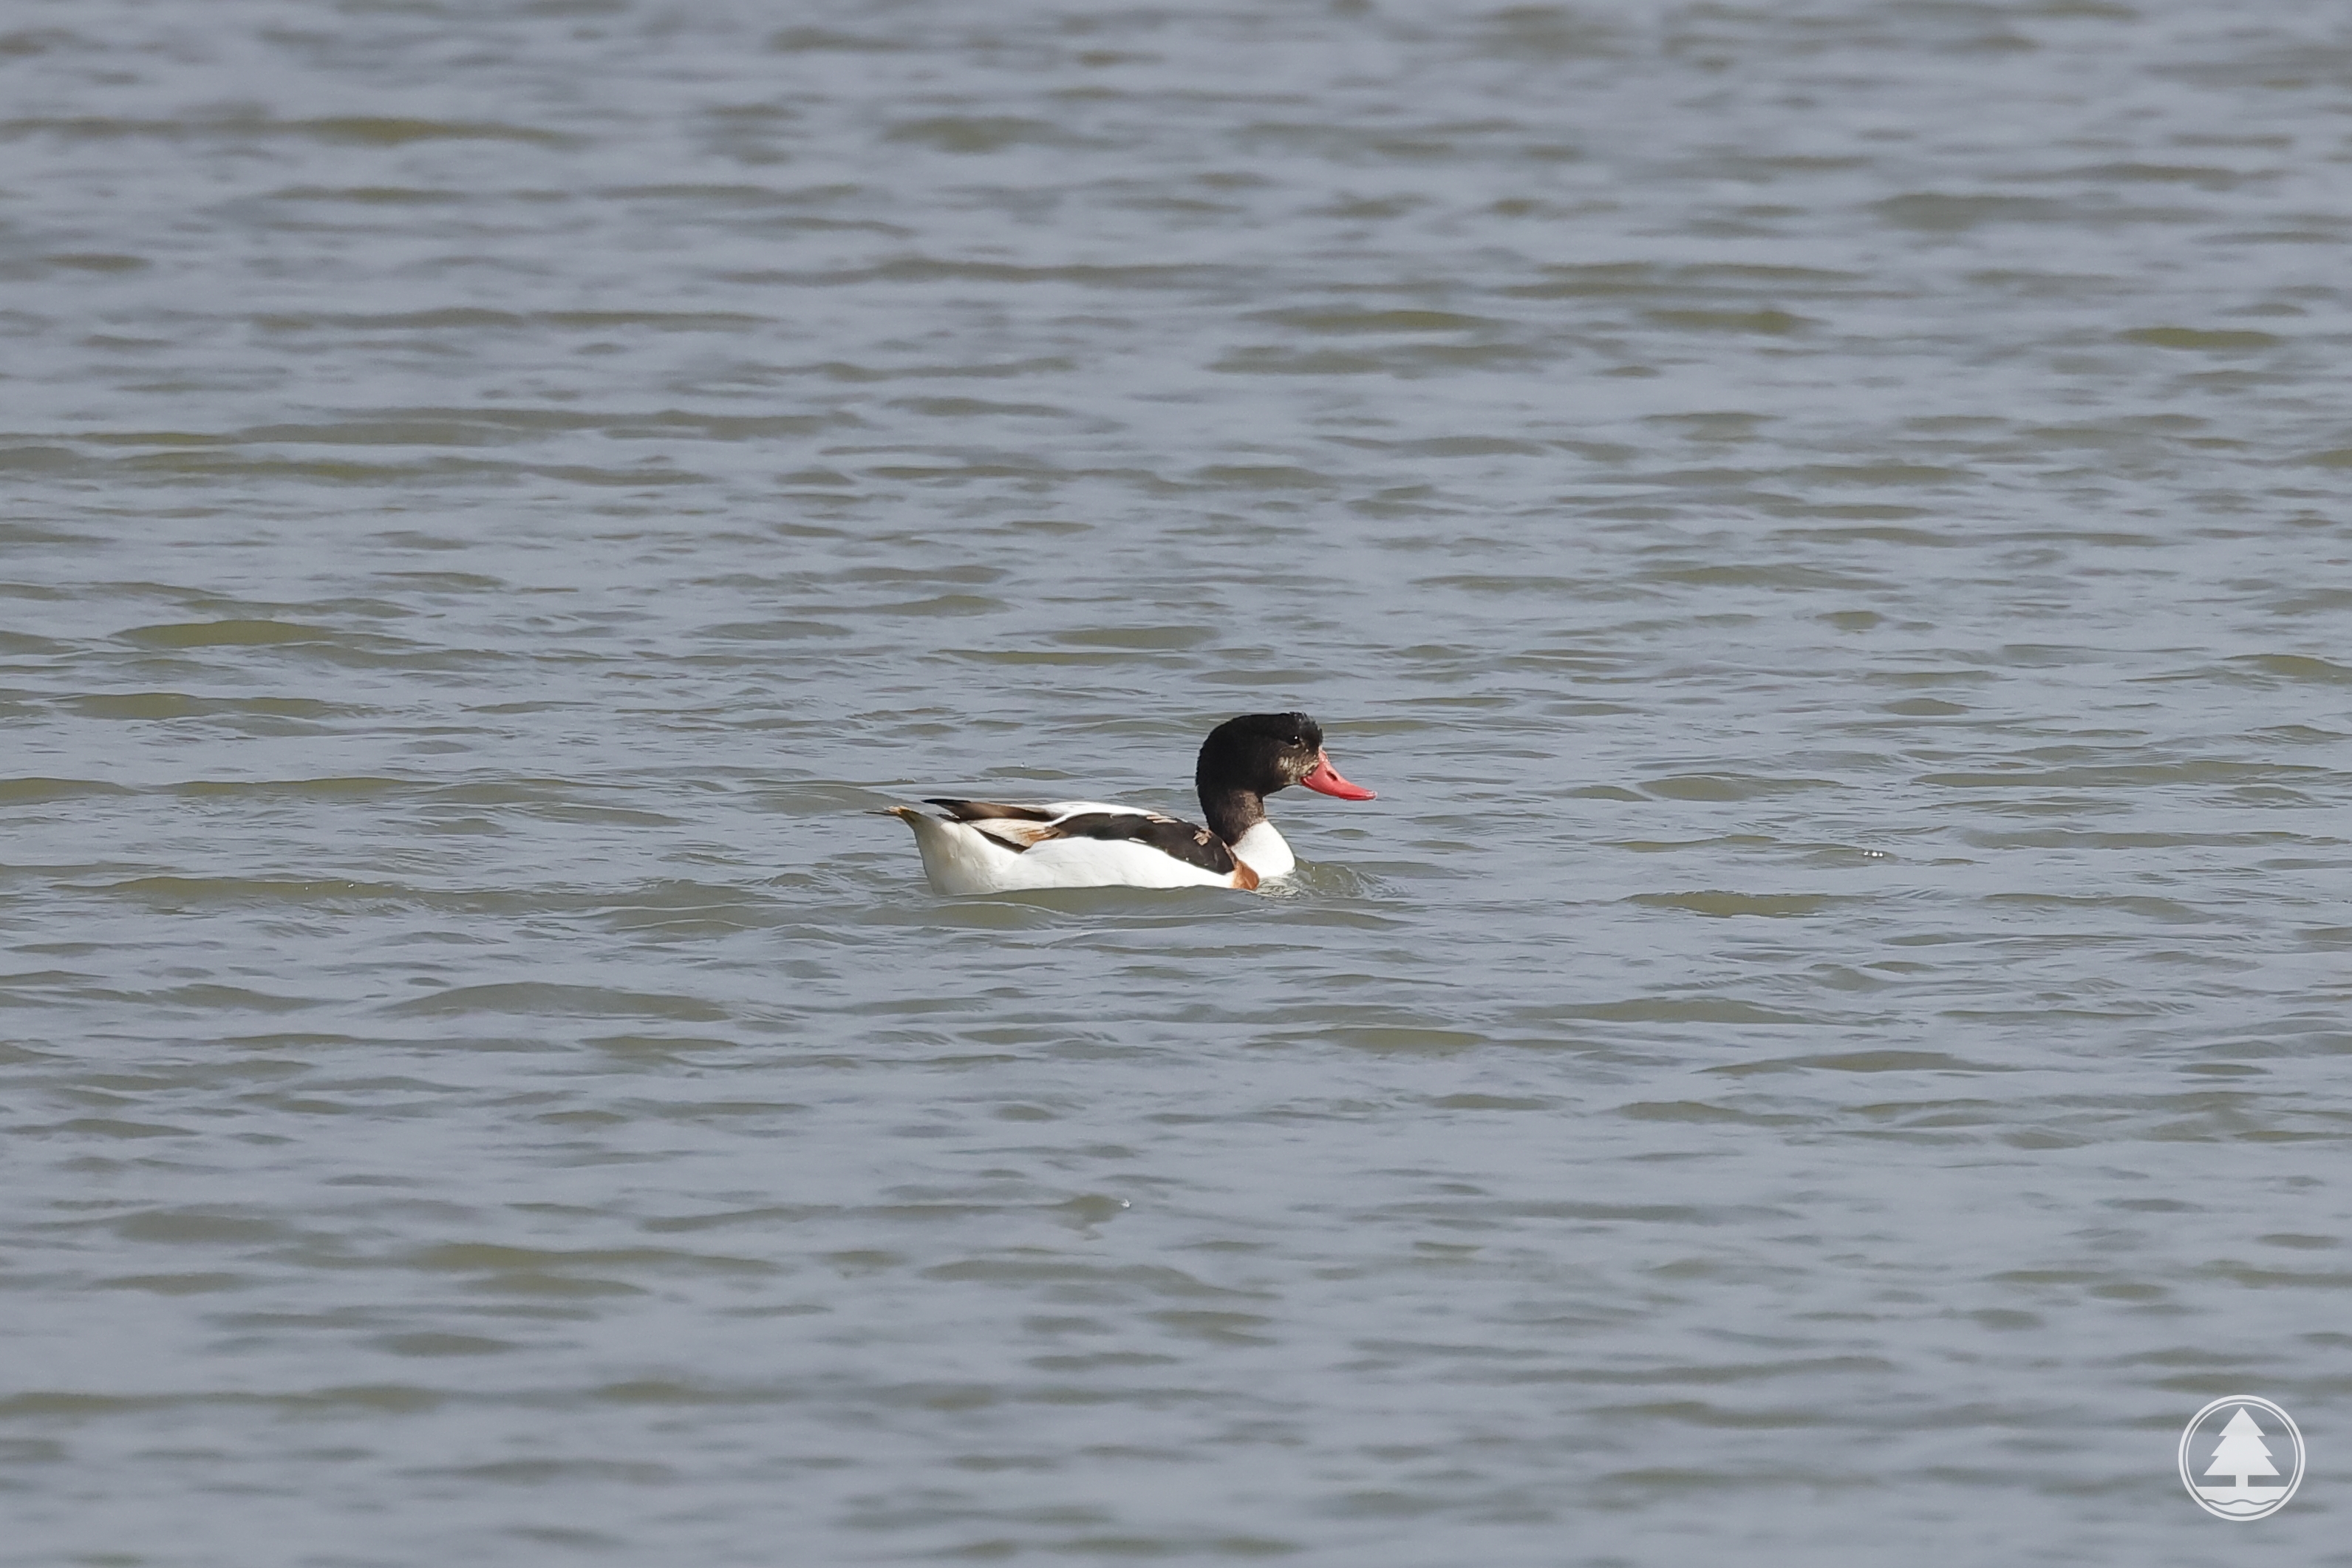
(1294, 741)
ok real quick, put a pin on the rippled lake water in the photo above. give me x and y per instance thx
(1825, 524)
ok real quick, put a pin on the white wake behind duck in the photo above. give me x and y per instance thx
(991, 846)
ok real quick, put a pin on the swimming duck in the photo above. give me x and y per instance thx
(987, 847)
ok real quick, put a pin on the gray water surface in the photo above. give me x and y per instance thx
(1825, 524)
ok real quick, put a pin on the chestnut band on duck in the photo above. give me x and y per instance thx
(992, 846)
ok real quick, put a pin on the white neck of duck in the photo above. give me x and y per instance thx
(1263, 852)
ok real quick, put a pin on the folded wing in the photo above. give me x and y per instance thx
(1024, 828)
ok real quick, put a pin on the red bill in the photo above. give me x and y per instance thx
(1325, 780)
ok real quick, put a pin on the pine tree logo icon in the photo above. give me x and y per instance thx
(2230, 1455)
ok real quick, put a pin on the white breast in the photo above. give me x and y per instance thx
(1263, 852)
